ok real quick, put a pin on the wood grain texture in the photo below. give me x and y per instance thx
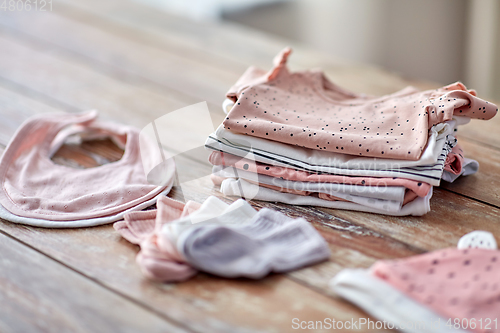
(229, 42)
(41, 295)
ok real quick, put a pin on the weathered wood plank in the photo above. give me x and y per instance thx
(15, 109)
(118, 37)
(117, 55)
(41, 295)
(483, 132)
(89, 154)
(83, 89)
(451, 217)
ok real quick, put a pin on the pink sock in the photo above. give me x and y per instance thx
(160, 266)
(137, 226)
(160, 263)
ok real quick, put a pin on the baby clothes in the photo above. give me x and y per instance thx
(6, 215)
(242, 188)
(388, 304)
(299, 139)
(448, 285)
(380, 192)
(36, 191)
(457, 165)
(427, 169)
(454, 283)
(177, 240)
(160, 264)
(270, 242)
(211, 211)
(138, 226)
(370, 183)
(391, 198)
(469, 167)
(305, 109)
(454, 160)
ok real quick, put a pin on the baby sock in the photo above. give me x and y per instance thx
(137, 226)
(269, 242)
(161, 266)
(212, 211)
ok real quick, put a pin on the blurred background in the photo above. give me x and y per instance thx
(436, 40)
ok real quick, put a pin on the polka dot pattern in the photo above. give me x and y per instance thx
(454, 283)
(307, 110)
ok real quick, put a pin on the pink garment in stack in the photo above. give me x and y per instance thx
(455, 160)
(306, 109)
(225, 159)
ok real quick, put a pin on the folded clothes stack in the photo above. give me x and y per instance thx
(231, 241)
(297, 138)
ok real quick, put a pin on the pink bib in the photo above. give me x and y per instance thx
(33, 186)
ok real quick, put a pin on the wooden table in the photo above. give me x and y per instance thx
(135, 64)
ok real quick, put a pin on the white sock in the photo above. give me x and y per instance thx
(212, 211)
(269, 242)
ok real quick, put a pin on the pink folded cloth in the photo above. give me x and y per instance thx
(307, 110)
(225, 159)
(455, 160)
(159, 265)
(454, 283)
(33, 186)
(137, 226)
(158, 259)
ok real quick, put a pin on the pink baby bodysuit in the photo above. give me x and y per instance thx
(220, 158)
(307, 110)
(454, 283)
